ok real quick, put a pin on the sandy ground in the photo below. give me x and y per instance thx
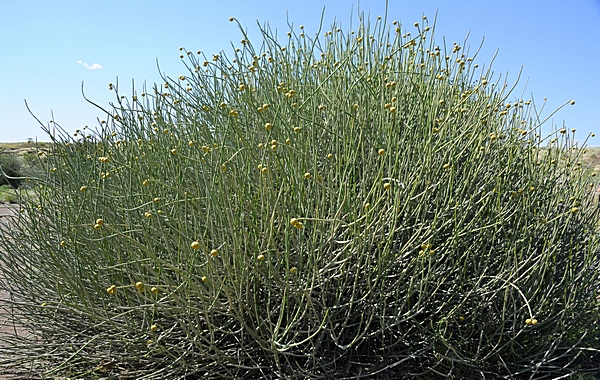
(5, 328)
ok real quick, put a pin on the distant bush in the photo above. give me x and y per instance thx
(13, 169)
(363, 204)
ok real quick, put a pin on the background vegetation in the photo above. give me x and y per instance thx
(362, 204)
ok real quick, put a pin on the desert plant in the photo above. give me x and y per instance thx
(11, 169)
(367, 204)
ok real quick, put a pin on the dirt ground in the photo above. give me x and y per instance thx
(6, 212)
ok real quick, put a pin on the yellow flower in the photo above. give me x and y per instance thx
(139, 286)
(387, 185)
(97, 227)
(381, 152)
(195, 245)
(293, 270)
(154, 290)
(148, 214)
(111, 289)
(296, 129)
(214, 253)
(204, 279)
(392, 109)
(99, 221)
(260, 257)
(296, 223)
(156, 200)
(173, 151)
(534, 321)
(83, 189)
(446, 166)
(103, 159)
(575, 210)
(528, 321)
(153, 328)
(268, 126)
(146, 182)
(307, 175)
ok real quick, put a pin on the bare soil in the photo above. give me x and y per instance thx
(6, 327)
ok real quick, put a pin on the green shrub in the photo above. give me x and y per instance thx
(362, 204)
(8, 194)
(12, 169)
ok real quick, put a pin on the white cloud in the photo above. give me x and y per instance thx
(93, 66)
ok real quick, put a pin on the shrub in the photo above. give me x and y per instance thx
(12, 169)
(362, 204)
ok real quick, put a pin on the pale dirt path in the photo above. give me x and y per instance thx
(6, 212)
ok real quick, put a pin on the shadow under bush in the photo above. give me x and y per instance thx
(363, 204)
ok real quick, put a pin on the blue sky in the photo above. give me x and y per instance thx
(48, 48)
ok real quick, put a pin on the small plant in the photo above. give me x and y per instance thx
(8, 194)
(362, 204)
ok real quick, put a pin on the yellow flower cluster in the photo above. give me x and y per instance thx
(296, 223)
(426, 248)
